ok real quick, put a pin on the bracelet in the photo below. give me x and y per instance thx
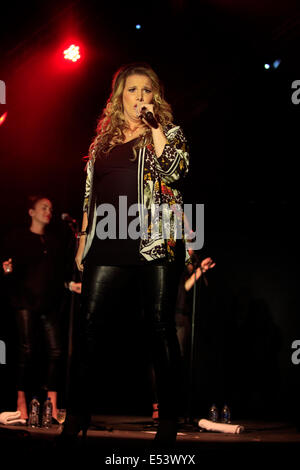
(81, 233)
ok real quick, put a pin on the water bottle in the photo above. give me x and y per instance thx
(47, 414)
(226, 418)
(213, 413)
(34, 413)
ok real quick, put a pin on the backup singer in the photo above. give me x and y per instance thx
(35, 271)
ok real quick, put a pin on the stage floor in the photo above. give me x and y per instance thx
(114, 440)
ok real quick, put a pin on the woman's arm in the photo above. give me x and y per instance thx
(206, 264)
(82, 240)
(171, 151)
(159, 140)
(87, 194)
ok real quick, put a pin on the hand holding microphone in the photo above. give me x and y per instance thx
(147, 115)
(67, 218)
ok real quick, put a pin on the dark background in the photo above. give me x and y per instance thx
(243, 132)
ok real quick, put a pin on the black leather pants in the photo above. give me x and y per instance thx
(158, 286)
(29, 325)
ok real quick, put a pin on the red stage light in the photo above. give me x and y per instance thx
(2, 118)
(72, 53)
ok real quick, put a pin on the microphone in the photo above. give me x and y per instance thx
(68, 218)
(148, 116)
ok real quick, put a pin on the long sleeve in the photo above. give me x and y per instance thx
(174, 161)
(88, 182)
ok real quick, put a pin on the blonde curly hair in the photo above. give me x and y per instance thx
(111, 125)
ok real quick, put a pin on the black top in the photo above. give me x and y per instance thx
(115, 176)
(37, 277)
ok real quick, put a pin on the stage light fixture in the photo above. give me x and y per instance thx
(276, 63)
(138, 26)
(2, 118)
(72, 53)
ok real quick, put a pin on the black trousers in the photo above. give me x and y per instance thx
(157, 286)
(30, 324)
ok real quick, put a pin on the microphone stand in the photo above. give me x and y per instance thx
(75, 229)
(189, 420)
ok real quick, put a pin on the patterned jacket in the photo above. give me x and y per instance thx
(156, 176)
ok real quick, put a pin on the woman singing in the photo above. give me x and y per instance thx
(135, 157)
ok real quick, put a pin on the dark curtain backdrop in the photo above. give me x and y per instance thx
(242, 128)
